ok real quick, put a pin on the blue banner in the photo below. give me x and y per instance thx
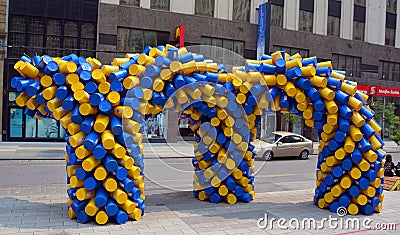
(264, 11)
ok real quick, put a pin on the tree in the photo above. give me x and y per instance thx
(390, 119)
(292, 120)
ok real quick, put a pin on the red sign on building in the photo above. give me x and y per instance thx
(379, 90)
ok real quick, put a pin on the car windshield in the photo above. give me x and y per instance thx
(271, 138)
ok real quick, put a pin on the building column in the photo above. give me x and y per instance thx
(183, 6)
(397, 39)
(171, 132)
(3, 35)
(254, 10)
(346, 20)
(320, 17)
(145, 4)
(223, 9)
(375, 22)
(291, 15)
(113, 2)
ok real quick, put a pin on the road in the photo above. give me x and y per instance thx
(162, 175)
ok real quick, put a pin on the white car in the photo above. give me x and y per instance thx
(282, 144)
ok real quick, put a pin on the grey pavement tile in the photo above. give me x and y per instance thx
(124, 232)
(214, 233)
(169, 233)
(97, 233)
(189, 232)
(151, 230)
(101, 229)
(237, 231)
(162, 224)
(8, 230)
(174, 228)
(135, 226)
(199, 230)
(20, 233)
(29, 230)
(49, 233)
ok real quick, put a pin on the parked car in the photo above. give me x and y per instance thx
(282, 144)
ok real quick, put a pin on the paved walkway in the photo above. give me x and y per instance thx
(179, 213)
(38, 205)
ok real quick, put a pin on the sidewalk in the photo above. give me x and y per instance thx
(56, 150)
(180, 213)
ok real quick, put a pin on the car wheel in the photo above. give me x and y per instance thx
(304, 155)
(268, 155)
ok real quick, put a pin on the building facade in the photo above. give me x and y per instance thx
(361, 37)
(3, 15)
(53, 27)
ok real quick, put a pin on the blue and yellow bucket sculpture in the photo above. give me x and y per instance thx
(103, 107)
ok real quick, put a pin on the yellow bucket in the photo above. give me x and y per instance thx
(107, 139)
(101, 123)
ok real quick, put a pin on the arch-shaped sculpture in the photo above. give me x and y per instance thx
(102, 108)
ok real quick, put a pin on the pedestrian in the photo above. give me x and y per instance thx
(397, 171)
(389, 166)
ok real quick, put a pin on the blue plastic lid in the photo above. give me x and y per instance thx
(121, 217)
(111, 208)
(215, 198)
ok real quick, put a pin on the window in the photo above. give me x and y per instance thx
(229, 44)
(360, 3)
(390, 36)
(241, 10)
(277, 15)
(36, 25)
(88, 30)
(54, 27)
(18, 23)
(88, 39)
(238, 47)
(291, 50)
(35, 44)
(334, 26)
(53, 38)
(30, 127)
(35, 37)
(70, 37)
(389, 71)
(350, 64)
(160, 4)
(358, 30)
(18, 40)
(134, 40)
(296, 139)
(71, 29)
(391, 6)
(204, 7)
(47, 128)
(15, 127)
(306, 21)
(285, 139)
(135, 3)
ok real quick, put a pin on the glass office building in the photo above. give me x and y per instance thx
(51, 27)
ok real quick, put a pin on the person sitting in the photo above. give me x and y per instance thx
(397, 171)
(389, 166)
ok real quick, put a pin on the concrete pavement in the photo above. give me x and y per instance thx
(33, 199)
